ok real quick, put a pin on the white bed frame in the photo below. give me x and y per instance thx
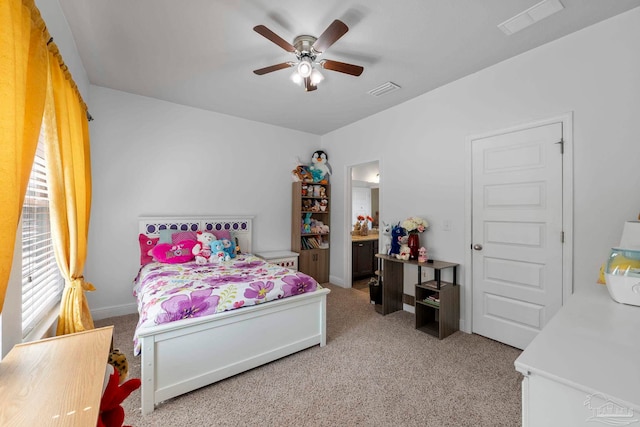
(182, 356)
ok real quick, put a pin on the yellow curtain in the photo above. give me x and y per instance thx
(69, 178)
(23, 82)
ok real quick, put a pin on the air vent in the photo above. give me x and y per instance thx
(384, 89)
(530, 16)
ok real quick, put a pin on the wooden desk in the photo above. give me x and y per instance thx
(55, 381)
(440, 318)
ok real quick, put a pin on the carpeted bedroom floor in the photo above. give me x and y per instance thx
(374, 371)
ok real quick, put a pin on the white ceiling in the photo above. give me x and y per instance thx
(202, 53)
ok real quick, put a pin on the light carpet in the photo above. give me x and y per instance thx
(374, 371)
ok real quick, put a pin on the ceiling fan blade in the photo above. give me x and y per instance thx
(342, 67)
(272, 68)
(267, 33)
(308, 86)
(333, 32)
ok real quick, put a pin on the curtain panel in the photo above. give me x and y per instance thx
(23, 83)
(68, 165)
(39, 95)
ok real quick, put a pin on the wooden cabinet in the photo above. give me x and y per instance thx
(315, 263)
(438, 302)
(363, 260)
(310, 228)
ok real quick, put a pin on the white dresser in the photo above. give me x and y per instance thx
(584, 366)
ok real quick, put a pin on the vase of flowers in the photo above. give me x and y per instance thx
(362, 225)
(414, 226)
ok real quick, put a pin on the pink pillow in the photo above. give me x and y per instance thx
(181, 236)
(222, 234)
(174, 254)
(146, 246)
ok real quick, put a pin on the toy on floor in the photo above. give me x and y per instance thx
(111, 412)
(118, 360)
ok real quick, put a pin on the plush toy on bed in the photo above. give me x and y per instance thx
(202, 250)
(217, 252)
(229, 246)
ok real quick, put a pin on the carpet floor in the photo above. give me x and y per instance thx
(374, 371)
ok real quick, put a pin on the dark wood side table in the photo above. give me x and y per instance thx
(438, 318)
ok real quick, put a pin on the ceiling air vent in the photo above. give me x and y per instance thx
(530, 16)
(384, 89)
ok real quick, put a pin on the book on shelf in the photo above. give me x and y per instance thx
(431, 302)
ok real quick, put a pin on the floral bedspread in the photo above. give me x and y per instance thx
(170, 292)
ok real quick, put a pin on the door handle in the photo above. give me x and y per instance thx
(477, 247)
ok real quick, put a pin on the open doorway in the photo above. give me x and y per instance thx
(364, 220)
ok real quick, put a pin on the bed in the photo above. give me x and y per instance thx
(186, 354)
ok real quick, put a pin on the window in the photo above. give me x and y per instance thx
(42, 283)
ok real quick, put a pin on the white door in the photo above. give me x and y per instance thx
(361, 203)
(517, 232)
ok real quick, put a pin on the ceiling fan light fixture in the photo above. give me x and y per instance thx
(305, 67)
(296, 78)
(316, 77)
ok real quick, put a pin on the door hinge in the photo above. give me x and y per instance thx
(561, 142)
(562, 237)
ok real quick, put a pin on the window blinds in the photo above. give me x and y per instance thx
(42, 283)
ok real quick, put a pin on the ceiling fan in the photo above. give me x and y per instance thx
(307, 49)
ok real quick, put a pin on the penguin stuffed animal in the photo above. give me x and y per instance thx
(320, 168)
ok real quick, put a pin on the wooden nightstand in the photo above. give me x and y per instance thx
(282, 258)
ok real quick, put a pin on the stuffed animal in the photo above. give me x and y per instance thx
(422, 254)
(306, 204)
(229, 246)
(405, 252)
(306, 227)
(202, 249)
(118, 360)
(397, 233)
(111, 412)
(320, 168)
(386, 237)
(301, 172)
(217, 252)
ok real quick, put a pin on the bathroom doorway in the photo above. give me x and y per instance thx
(365, 220)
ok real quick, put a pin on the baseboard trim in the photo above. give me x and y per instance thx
(335, 280)
(114, 311)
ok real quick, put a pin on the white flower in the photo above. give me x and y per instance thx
(415, 224)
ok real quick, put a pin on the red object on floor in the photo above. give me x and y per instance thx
(111, 413)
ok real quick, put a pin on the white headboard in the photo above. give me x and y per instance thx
(239, 227)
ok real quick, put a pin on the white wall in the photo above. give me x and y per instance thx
(593, 73)
(152, 157)
(59, 29)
